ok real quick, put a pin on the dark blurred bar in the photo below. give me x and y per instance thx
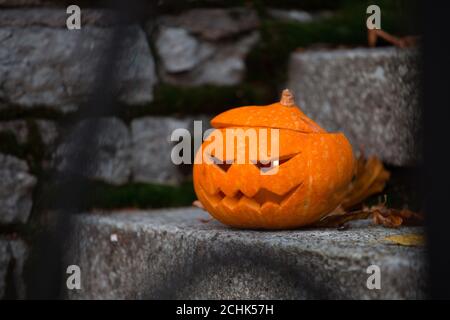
(436, 106)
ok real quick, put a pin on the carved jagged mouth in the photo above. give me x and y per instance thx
(263, 196)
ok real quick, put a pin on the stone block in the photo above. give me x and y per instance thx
(372, 95)
(178, 254)
(206, 46)
(45, 65)
(109, 154)
(151, 149)
(16, 190)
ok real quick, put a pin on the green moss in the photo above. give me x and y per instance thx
(210, 99)
(345, 28)
(100, 195)
(140, 195)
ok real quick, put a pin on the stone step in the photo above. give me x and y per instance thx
(369, 94)
(177, 253)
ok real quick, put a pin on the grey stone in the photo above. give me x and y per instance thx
(52, 67)
(176, 254)
(299, 16)
(23, 3)
(152, 147)
(5, 258)
(371, 95)
(180, 51)
(19, 253)
(48, 130)
(218, 63)
(110, 158)
(54, 17)
(227, 66)
(291, 15)
(16, 186)
(214, 24)
(205, 46)
(13, 251)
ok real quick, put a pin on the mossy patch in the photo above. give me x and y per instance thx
(268, 61)
(17, 112)
(140, 195)
(209, 99)
(100, 195)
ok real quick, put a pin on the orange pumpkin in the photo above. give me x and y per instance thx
(314, 170)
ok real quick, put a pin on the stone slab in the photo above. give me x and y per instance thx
(372, 95)
(176, 253)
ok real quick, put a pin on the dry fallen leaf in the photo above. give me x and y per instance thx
(401, 42)
(393, 218)
(381, 215)
(337, 220)
(389, 221)
(413, 239)
(370, 178)
(411, 218)
(198, 204)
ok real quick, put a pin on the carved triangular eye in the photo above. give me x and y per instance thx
(219, 163)
(264, 167)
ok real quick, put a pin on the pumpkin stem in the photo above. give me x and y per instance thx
(287, 98)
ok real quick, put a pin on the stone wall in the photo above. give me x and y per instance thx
(47, 73)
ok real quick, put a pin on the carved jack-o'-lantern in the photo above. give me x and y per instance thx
(310, 171)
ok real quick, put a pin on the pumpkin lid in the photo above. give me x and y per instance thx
(282, 115)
